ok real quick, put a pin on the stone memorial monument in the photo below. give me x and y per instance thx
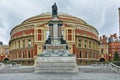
(55, 58)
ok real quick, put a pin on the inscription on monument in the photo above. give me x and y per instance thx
(55, 47)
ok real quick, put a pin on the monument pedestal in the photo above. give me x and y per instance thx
(55, 58)
(56, 64)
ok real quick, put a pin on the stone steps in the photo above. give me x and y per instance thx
(95, 70)
(17, 70)
(30, 69)
(56, 65)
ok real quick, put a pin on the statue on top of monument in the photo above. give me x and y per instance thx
(54, 10)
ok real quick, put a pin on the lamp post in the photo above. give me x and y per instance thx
(110, 55)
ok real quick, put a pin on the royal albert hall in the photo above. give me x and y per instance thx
(28, 38)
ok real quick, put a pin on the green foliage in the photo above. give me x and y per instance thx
(116, 57)
(116, 63)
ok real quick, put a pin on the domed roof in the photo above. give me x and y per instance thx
(48, 16)
(45, 17)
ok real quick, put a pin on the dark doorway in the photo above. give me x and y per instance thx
(102, 60)
(6, 60)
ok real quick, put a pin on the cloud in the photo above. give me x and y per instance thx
(103, 15)
(4, 30)
(109, 24)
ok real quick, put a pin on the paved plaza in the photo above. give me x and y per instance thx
(78, 76)
(85, 73)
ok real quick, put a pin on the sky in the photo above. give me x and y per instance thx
(102, 14)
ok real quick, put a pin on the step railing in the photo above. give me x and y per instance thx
(98, 64)
(1, 66)
(114, 67)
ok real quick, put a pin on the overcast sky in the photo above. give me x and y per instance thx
(102, 14)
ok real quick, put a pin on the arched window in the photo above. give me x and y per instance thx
(69, 34)
(19, 55)
(90, 54)
(94, 55)
(85, 43)
(23, 43)
(29, 54)
(39, 34)
(80, 54)
(89, 44)
(23, 55)
(85, 54)
(80, 43)
(29, 43)
(19, 44)
(93, 45)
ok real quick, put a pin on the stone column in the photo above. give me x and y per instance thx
(59, 30)
(55, 31)
(51, 30)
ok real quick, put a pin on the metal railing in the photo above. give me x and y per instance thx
(114, 67)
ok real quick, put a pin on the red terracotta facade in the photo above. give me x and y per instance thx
(27, 39)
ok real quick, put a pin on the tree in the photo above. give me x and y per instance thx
(116, 56)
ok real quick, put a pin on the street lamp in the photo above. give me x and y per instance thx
(110, 56)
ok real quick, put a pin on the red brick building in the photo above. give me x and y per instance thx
(113, 45)
(28, 38)
(4, 52)
(104, 47)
